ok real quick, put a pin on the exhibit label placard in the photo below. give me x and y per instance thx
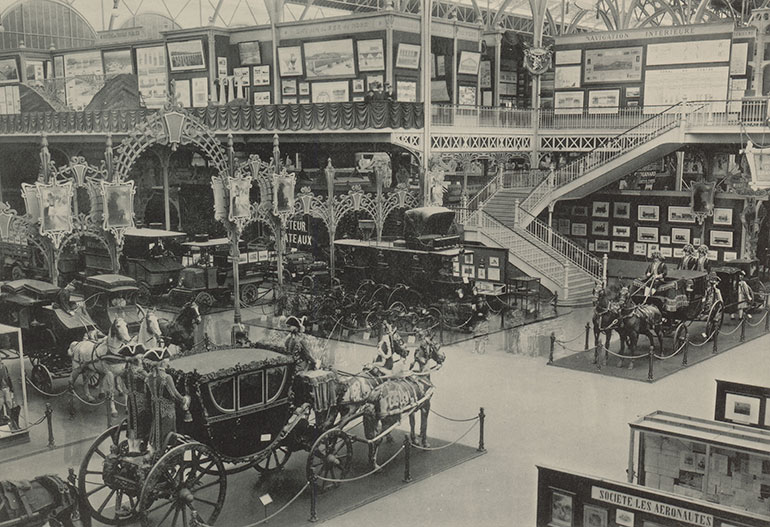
(653, 507)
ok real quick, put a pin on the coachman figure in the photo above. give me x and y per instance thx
(163, 397)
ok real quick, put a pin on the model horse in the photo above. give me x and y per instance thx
(181, 331)
(102, 358)
(150, 335)
(606, 317)
(644, 319)
(427, 350)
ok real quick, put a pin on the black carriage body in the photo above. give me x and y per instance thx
(240, 397)
(680, 297)
(729, 276)
(109, 296)
(154, 269)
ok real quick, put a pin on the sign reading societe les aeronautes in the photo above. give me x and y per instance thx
(652, 507)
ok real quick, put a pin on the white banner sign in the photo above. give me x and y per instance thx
(638, 503)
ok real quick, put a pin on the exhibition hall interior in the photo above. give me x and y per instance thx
(355, 262)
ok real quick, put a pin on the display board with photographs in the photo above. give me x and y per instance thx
(261, 75)
(603, 101)
(664, 87)
(186, 55)
(249, 53)
(406, 90)
(9, 71)
(84, 75)
(182, 92)
(118, 62)
(568, 102)
(469, 63)
(333, 91)
(118, 204)
(261, 98)
(371, 56)
(466, 95)
(408, 56)
(55, 207)
(152, 75)
(290, 61)
(329, 59)
(613, 65)
(688, 52)
(485, 76)
(567, 77)
(200, 92)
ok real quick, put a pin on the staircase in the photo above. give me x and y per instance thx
(506, 215)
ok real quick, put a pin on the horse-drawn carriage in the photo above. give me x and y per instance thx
(46, 328)
(247, 408)
(109, 297)
(730, 274)
(151, 258)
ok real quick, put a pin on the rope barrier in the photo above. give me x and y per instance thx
(72, 391)
(362, 476)
(29, 426)
(758, 322)
(442, 447)
(571, 349)
(474, 418)
(279, 511)
(579, 336)
(728, 333)
(42, 392)
(661, 357)
(629, 357)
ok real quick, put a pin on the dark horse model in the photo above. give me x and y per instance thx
(45, 500)
(642, 319)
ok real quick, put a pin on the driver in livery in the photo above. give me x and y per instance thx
(745, 296)
(296, 346)
(655, 274)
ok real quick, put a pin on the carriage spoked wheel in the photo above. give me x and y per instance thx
(275, 461)
(41, 378)
(308, 283)
(680, 337)
(143, 294)
(249, 294)
(188, 479)
(330, 457)
(715, 318)
(205, 301)
(105, 505)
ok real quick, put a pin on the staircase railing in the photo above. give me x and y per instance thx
(614, 148)
(565, 247)
(506, 179)
(547, 264)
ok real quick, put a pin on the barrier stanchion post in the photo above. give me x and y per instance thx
(684, 352)
(596, 352)
(744, 319)
(588, 329)
(49, 420)
(553, 345)
(651, 357)
(482, 417)
(407, 454)
(313, 498)
(715, 347)
(767, 317)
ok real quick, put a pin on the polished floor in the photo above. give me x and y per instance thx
(535, 414)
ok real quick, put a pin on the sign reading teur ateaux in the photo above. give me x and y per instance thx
(653, 507)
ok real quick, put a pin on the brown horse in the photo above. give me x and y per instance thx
(181, 331)
(606, 317)
(427, 351)
(644, 319)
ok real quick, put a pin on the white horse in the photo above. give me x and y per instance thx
(150, 335)
(101, 358)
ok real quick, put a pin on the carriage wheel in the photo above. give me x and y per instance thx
(104, 504)
(330, 457)
(204, 300)
(249, 294)
(308, 283)
(680, 337)
(188, 478)
(41, 378)
(143, 294)
(275, 461)
(715, 318)
(17, 272)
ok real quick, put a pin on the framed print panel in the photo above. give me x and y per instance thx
(371, 56)
(579, 210)
(728, 256)
(374, 82)
(652, 248)
(680, 236)
(568, 102)
(200, 92)
(84, 78)
(186, 55)
(568, 56)
(118, 204)
(602, 246)
(665, 239)
(633, 92)
(406, 90)
(290, 61)
(152, 75)
(723, 216)
(624, 518)
(9, 71)
(241, 76)
(288, 86)
(621, 231)
(603, 101)
(335, 91)
(613, 65)
(567, 77)
(329, 59)
(594, 516)
(640, 249)
(680, 215)
(620, 247)
(469, 63)
(182, 91)
(494, 261)
(601, 209)
(647, 234)
(304, 88)
(721, 238)
(649, 213)
(249, 53)
(601, 228)
(117, 62)
(579, 229)
(261, 98)
(493, 274)
(742, 409)
(261, 75)
(466, 95)
(561, 509)
(621, 210)
(666, 252)
(408, 56)
(358, 86)
(688, 52)
(56, 205)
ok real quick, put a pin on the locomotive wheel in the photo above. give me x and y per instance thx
(143, 295)
(330, 457)
(189, 478)
(680, 337)
(275, 461)
(204, 300)
(41, 378)
(715, 318)
(105, 505)
(249, 294)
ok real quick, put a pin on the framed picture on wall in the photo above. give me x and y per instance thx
(290, 61)
(723, 216)
(721, 238)
(115, 62)
(374, 82)
(568, 102)
(288, 100)
(620, 247)
(601, 209)
(200, 92)
(329, 59)
(666, 252)
(466, 95)
(249, 53)
(579, 229)
(602, 246)
(621, 210)
(665, 240)
(621, 231)
(680, 236)
(186, 55)
(652, 248)
(729, 255)
(335, 91)
(261, 75)
(603, 101)
(56, 207)
(304, 88)
(633, 92)
(567, 77)
(371, 56)
(485, 79)
(241, 76)
(261, 98)
(568, 56)
(406, 90)
(613, 65)
(288, 87)
(600, 228)
(680, 215)
(640, 249)
(678, 252)
(649, 213)
(580, 210)
(595, 516)
(647, 234)
(561, 509)
(408, 56)
(358, 85)
(469, 63)
(9, 72)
